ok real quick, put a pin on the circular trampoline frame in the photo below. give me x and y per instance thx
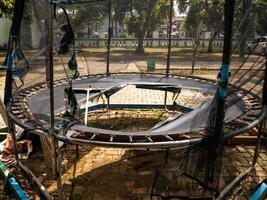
(20, 115)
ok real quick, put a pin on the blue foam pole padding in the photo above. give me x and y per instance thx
(261, 192)
(16, 188)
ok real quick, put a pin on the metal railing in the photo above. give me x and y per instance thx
(148, 42)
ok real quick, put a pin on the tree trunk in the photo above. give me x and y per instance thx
(211, 40)
(116, 29)
(143, 32)
(194, 60)
(140, 48)
(197, 44)
(88, 30)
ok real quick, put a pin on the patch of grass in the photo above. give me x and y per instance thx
(127, 119)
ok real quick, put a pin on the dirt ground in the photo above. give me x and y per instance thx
(103, 173)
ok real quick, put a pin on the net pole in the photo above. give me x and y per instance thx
(54, 145)
(14, 33)
(215, 123)
(217, 127)
(224, 70)
(170, 39)
(169, 49)
(264, 92)
(109, 35)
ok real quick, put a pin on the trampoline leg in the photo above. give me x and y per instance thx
(76, 160)
(165, 100)
(167, 156)
(14, 139)
(56, 167)
(77, 152)
(258, 144)
(86, 108)
(108, 103)
(154, 183)
(3, 112)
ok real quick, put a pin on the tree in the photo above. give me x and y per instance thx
(210, 14)
(250, 20)
(214, 20)
(244, 15)
(261, 16)
(195, 23)
(6, 7)
(142, 17)
(83, 16)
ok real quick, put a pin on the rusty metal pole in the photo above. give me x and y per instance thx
(54, 145)
(169, 49)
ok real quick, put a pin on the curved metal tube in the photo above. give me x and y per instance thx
(183, 144)
(246, 128)
(42, 191)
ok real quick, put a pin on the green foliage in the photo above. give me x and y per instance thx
(83, 16)
(142, 17)
(215, 12)
(250, 18)
(261, 16)
(195, 19)
(147, 15)
(202, 15)
(6, 7)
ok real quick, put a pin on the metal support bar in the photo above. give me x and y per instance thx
(109, 35)
(86, 107)
(169, 48)
(241, 176)
(165, 100)
(170, 39)
(55, 150)
(108, 103)
(3, 112)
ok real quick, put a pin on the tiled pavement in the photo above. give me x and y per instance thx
(103, 173)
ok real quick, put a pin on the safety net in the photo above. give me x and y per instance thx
(112, 55)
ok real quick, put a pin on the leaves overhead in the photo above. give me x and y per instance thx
(6, 7)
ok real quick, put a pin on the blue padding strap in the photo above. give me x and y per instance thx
(261, 192)
(224, 76)
(11, 59)
(16, 188)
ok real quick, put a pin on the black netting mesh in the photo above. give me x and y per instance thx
(80, 48)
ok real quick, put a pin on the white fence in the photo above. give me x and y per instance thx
(132, 43)
(4, 30)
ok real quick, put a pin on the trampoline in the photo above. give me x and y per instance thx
(53, 108)
(242, 107)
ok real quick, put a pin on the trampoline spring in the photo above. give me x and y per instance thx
(93, 136)
(16, 112)
(21, 117)
(169, 138)
(149, 139)
(258, 107)
(23, 95)
(111, 138)
(15, 108)
(130, 138)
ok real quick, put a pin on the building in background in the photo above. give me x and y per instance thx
(4, 33)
